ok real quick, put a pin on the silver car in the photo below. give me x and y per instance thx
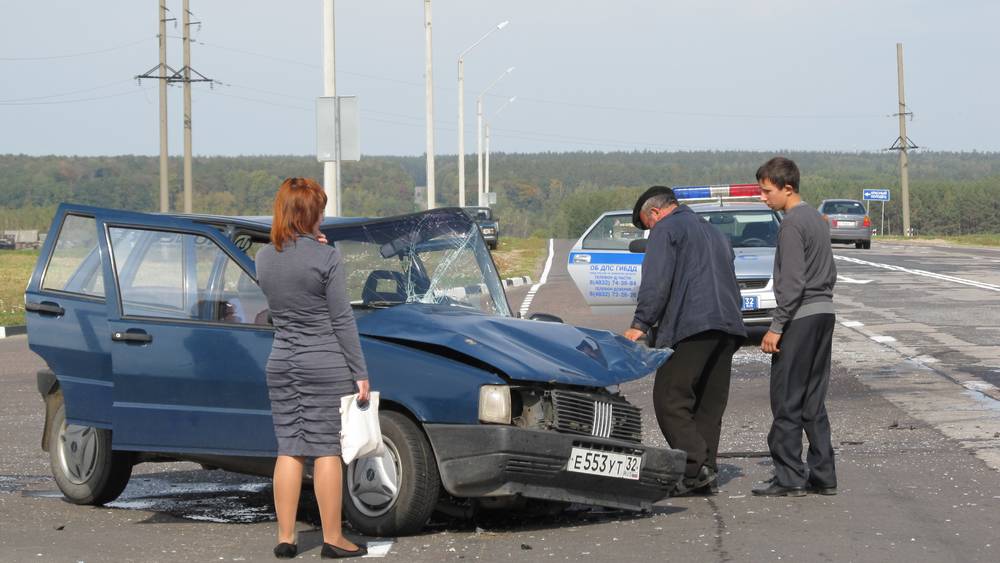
(849, 222)
(608, 275)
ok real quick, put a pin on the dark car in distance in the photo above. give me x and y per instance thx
(849, 222)
(156, 337)
(488, 225)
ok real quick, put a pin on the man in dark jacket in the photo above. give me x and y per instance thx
(800, 337)
(689, 289)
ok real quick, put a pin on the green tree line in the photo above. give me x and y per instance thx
(542, 194)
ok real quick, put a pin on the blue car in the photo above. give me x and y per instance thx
(156, 335)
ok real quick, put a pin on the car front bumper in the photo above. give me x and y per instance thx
(488, 461)
(766, 303)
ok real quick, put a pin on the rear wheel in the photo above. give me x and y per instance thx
(868, 245)
(859, 244)
(85, 467)
(395, 493)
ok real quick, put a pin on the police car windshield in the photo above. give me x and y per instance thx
(746, 229)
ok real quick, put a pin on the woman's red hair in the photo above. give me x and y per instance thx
(297, 208)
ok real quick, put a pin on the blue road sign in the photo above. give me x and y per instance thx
(876, 195)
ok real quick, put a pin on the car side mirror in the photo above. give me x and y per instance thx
(544, 317)
(637, 246)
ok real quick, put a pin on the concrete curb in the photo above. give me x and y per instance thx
(16, 330)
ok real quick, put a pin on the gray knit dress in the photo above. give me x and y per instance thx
(316, 356)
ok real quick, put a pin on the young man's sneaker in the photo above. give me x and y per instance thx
(705, 477)
(817, 489)
(771, 488)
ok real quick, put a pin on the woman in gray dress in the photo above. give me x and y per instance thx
(315, 360)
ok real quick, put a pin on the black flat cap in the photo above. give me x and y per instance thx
(651, 192)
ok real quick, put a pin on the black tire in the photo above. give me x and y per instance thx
(868, 245)
(419, 483)
(85, 467)
(859, 244)
(493, 245)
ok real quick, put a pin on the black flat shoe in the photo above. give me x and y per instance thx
(705, 477)
(771, 488)
(331, 551)
(286, 550)
(818, 489)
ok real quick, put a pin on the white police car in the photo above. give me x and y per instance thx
(608, 274)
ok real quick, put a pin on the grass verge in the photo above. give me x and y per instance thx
(15, 269)
(985, 239)
(521, 257)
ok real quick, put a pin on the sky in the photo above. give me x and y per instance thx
(657, 75)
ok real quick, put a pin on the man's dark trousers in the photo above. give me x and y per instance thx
(800, 375)
(690, 395)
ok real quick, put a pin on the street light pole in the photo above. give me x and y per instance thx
(429, 100)
(496, 113)
(461, 111)
(479, 132)
(331, 170)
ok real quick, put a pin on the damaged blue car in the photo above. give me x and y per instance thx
(156, 335)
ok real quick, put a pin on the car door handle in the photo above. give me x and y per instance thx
(132, 335)
(581, 259)
(45, 308)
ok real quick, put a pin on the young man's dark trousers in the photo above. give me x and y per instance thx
(690, 395)
(800, 375)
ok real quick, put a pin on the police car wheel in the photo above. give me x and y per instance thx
(85, 467)
(393, 494)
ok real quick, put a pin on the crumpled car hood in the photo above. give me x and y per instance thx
(520, 349)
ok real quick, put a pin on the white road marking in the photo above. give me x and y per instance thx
(925, 273)
(853, 324)
(846, 279)
(882, 339)
(545, 277)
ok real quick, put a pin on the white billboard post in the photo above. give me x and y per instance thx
(338, 134)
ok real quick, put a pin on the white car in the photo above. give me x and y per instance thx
(608, 274)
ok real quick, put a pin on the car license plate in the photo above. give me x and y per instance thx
(750, 303)
(847, 224)
(608, 464)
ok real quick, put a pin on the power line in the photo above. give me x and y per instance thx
(82, 54)
(57, 102)
(91, 89)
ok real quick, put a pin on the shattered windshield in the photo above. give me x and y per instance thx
(433, 258)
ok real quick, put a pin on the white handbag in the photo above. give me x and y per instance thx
(360, 434)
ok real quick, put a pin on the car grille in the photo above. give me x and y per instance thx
(753, 284)
(596, 415)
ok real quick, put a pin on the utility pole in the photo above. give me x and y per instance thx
(331, 170)
(162, 75)
(903, 143)
(429, 95)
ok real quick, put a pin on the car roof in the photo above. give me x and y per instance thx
(836, 200)
(729, 206)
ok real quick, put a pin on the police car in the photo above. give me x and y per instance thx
(608, 274)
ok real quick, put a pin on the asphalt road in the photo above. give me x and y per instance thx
(915, 418)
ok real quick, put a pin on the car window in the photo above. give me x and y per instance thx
(746, 229)
(75, 265)
(183, 276)
(844, 208)
(613, 232)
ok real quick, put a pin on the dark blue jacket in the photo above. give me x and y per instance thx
(688, 280)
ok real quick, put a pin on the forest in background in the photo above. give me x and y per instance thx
(542, 194)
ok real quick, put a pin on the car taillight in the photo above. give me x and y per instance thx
(868, 222)
(833, 223)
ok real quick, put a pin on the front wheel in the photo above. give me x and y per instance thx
(85, 467)
(393, 494)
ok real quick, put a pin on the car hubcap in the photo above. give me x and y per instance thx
(78, 452)
(373, 482)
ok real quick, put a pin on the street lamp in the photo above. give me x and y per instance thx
(461, 111)
(479, 131)
(496, 113)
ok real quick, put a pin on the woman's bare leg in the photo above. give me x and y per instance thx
(287, 486)
(328, 485)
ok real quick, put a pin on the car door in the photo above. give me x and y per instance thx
(602, 267)
(188, 341)
(65, 311)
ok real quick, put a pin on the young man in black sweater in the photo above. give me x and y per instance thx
(800, 339)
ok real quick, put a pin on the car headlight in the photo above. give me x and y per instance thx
(494, 404)
(488, 231)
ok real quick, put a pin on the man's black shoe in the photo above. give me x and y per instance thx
(705, 477)
(771, 488)
(818, 489)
